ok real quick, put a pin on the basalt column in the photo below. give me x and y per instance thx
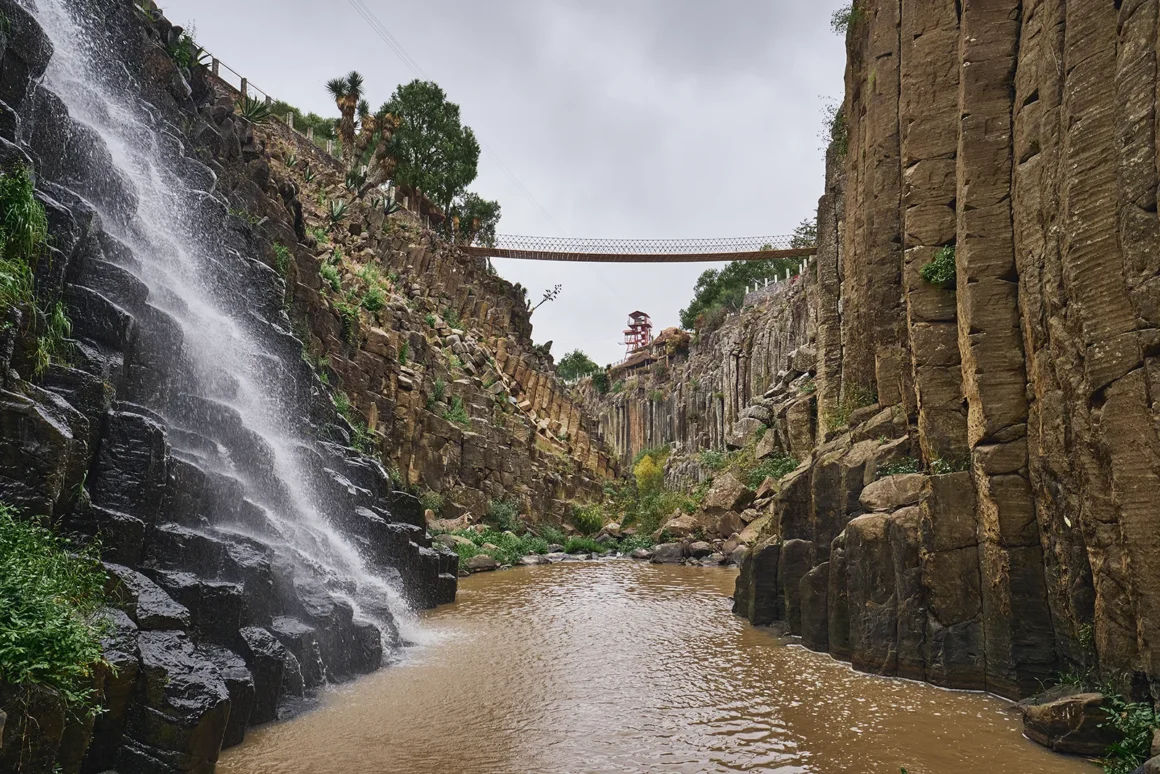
(872, 260)
(929, 117)
(1018, 635)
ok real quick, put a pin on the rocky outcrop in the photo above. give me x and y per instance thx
(1015, 142)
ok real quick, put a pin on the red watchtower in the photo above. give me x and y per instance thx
(639, 333)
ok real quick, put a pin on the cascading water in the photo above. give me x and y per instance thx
(231, 405)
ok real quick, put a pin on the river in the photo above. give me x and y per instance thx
(616, 666)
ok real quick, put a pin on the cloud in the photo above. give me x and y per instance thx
(642, 119)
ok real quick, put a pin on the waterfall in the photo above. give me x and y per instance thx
(233, 408)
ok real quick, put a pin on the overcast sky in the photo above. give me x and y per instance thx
(623, 118)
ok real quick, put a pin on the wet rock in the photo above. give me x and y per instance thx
(668, 553)
(1073, 724)
(131, 470)
(301, 641)
(797, 558)
(25, 56)
(872, 603)
(756, 595)
(481, 563)
(737, 554)
(451, 541)
(38, 461)
(366, 648)
(144, 601)
(179, 718)
(240, 685)
(715, 559)
(555, 548)
(814, 592)
(533, 560)
(730, 523)
(699, 549)
(641, 553)
(265, 657)
(35, 725)
(119, 647)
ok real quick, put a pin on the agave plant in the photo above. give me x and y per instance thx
(335, 212)
(309, 174)
(254, 110)
(347, 93)
(292, 160)
(355, 180)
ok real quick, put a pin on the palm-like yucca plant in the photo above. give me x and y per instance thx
(355, 180)
(347, 93)
(254, 110)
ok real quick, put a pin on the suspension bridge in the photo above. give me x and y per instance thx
(529, 248)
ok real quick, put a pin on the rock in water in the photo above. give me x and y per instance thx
(1073, 724)
(482, 563)
(668, 553)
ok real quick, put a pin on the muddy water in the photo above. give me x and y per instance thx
(623, 667)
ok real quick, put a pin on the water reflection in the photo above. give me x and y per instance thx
(623, 667)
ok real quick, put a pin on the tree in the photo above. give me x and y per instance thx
(436, 153)
(575, 366)
(347, 93)
(475, 220)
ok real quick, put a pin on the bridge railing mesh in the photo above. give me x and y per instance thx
(535, 244)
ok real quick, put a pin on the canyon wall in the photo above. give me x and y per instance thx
(243, 436)
(977, 508)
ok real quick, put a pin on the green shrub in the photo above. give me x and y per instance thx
(23, 236)
(633, 542)
(940, 270)
(451, 317)
(430, 319)
(373, 300)
(899, 467)
(583, 545)
(504, 514)
(282, 258)
(405, 353)
(432, 501)
(600, 382)
(330, 274)
(457, 413)
(589, 519)
(847, 17)
(51, 344)
(656, 396)
(713, 460)
(773, 467)
(52, 591)
(1136, 721)
(552, 535)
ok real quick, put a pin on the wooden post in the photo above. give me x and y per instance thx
(216, 67)
(310, 133)
(245, 87)
(330, 147)
(269, 100)
(290, 119)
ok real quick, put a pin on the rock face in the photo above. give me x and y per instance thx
(232, 590)
(1014, 143)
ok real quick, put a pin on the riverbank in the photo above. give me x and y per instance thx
(632, 666)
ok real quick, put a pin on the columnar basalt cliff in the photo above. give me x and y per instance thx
(975, 506)
(219, 417)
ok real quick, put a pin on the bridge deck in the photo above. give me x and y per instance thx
(530, 248)
(543, 255)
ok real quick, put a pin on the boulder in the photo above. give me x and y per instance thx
(641, 553)
(767, 446)
(727, 494)
(755, 596)
(736, 555)
(680, 526)
(1151, 766)
(892, 492)
(752, 533)
(119, 647)
(729, 524)
(668, 553)
(1074, 724)
(532, 560)
(144, 601)
(612, 530)
(36, 720)
(700, 549)
(555, 548)
(715, 559)
(481, 563)
(743, 430)
(451, 541)
(240, 685)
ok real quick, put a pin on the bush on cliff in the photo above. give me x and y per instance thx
(50, 593)
(575, 366)
(1137, 721)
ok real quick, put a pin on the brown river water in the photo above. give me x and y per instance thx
(623, 667)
